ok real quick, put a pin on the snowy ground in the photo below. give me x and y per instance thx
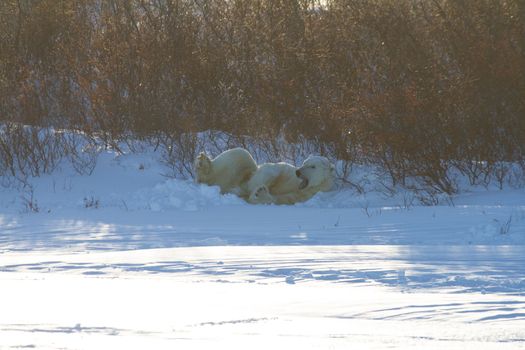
(127, 258)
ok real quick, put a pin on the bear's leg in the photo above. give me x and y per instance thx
(261, 195)
(202, 166)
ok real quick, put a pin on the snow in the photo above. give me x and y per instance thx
(129, 258)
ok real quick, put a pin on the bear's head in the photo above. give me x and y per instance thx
(316, 173)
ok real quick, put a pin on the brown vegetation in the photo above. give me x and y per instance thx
(416, 87)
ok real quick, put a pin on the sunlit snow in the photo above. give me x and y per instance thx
(129, 259)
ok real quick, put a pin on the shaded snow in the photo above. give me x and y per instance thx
(128, 258)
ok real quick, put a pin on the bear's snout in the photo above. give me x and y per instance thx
(298, 173)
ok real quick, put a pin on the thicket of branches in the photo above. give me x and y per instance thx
(418, 87)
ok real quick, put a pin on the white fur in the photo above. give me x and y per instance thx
(230, 170)
(278, 183)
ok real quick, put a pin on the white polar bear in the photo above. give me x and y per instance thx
(230, 170)
(282, 183)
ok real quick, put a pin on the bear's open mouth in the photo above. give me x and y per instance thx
(303, 183)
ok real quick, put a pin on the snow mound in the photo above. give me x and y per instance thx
(182, 195)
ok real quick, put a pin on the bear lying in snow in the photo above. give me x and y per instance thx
(230, 170)
(235, 171)
(283, 183)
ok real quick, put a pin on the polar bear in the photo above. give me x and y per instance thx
(282, 183)
(230, 170)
